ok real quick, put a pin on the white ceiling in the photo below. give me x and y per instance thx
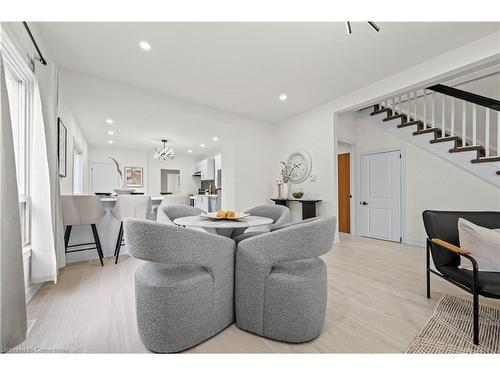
(141, 118)
(243, 67)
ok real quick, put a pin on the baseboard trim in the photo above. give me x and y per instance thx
(31, 291)
(414, 242)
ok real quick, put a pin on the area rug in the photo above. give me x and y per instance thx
(449, 330)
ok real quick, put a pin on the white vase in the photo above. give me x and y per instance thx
(286, 190)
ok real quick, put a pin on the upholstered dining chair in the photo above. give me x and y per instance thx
(167, 213)
(281, 283)
(279, 214)
(138, 206)
(184, 292)
(82, 210)
(443, 245)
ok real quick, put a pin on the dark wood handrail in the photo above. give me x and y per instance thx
(467, 96)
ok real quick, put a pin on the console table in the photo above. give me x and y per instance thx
(308, 205)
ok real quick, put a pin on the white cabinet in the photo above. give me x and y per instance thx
(202, 203)
(207, 169)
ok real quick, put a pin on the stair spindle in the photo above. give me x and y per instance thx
(464, 124)
(498, 133)
(474, 124)
(452, 120)
(415, 105)
(433, 115)
(487, 134)
(425, 109)
(443, 116)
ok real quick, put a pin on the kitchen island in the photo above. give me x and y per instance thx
(107, 228)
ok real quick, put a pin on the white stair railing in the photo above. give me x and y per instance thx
(416, 100)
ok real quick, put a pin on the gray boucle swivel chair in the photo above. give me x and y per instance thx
(279, 214)
(281, 284)
(184, 291)
(167, 213)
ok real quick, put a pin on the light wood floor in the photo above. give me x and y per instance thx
(376, 304)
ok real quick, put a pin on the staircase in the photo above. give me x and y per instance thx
(469, 122)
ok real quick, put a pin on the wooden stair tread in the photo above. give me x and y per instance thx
(426, 131)
(382, 110)
(445, 139)
(394, 117)
(467, 148)
(486, 160)
(411, 123)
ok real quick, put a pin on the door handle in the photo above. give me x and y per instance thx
(363, 203)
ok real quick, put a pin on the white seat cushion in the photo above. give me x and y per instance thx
(482, 243)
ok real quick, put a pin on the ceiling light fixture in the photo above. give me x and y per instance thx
(215, 139)
(145, 45)
(190, 151)
(163, 154)
(371, 23)
(111, 132)
(283, 97)
(110, 141)
(348, 26)
(109, 120)
(202, 145)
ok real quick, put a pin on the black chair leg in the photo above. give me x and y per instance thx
(119, 243)
(97, 243)
(67, 233)
(475, 317)
(428, 273)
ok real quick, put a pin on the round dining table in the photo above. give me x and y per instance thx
(222, 227)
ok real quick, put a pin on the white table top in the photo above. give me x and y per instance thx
(113, 199)
(198, 221)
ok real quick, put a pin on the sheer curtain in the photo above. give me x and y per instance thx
(47, 228)
(12, 298)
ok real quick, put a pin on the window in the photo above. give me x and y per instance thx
(19, 82)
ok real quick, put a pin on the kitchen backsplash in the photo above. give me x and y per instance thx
(206, 183)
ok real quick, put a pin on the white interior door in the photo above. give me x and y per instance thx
(380, 203)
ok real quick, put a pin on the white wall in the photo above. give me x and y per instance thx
(151, 167)
(315, 129)
(75, 134)
(430, 182)
(186, 165)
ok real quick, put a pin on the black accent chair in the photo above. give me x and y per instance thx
(443, 244)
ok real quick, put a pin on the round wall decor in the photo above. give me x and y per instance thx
(302, 158)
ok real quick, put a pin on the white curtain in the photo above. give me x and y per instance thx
(12, 297)
(44, 193)
(48, 82)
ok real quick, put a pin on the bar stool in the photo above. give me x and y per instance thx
(82, 210)
(138, 206)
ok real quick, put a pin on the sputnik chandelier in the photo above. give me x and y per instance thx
(166, 152)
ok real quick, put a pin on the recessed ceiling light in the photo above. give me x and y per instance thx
(215, 139)
(202, 145)
(190, 151)
(111, 132)
(110, 141)
(283, 97)
(109, 120)
(145, 45)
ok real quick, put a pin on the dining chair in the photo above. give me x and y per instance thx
(281, 283)
(138, 206)
(82, 210)
(184, 291)
(279, 214)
